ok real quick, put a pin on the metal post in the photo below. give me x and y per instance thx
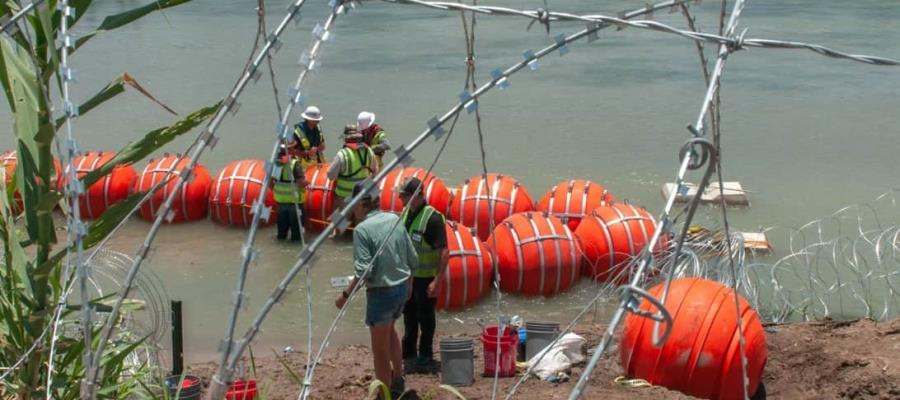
(177, 338)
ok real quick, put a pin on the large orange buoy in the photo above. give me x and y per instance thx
(469, 269)
(536, 254)
(702, 355)
(571, 200)
(611, 236)
(319, 197)
(106, 191)
(191, 201)
(472, 202)
(9, 160)
(436, 193)
(235, 190)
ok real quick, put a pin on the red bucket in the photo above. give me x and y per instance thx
(509, 342)
(241, 390)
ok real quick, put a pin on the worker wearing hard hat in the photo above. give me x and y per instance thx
(373, 134)
(289, 189)
(310, 142)
(351, 165)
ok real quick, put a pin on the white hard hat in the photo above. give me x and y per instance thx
(312, 113)
(364, 120)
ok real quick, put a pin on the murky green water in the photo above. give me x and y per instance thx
(805, 134)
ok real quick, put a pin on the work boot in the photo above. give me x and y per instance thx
(426, 365)
(409, 366)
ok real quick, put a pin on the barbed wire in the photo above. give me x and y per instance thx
(259, 210)
(738, 42)
(206, 139)
(19, 14)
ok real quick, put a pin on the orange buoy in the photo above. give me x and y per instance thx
(106, 191)
(436, 193)
(319, 197)
(472, 202)
(235, 190)
(9, 160)
(611, 236)
(702, 356)
(469, 269)
(191, 201)
(536, 254)
(571, 200)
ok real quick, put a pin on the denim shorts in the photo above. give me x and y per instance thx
(385, 304)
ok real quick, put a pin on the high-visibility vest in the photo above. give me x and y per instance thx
(357, 166)
(373, 136)
(302, 132)
(285, 188)
(429, 257)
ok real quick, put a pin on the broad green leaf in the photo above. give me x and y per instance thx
(153, 141)
(101, 227)
(111, 90)
(453, 391)
(21, 264)
(377, 386)
(22, 82)
(49, 201)
(124, 18)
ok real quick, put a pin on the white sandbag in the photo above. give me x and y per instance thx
(560, 357)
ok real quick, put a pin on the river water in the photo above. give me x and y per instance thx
(806, 134)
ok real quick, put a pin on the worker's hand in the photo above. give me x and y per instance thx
(313, 150)
(339, 302)
(433, 288)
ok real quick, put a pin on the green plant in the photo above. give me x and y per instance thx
(32, 275)
(378, 387)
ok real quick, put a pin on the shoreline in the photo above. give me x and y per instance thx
(857, 359)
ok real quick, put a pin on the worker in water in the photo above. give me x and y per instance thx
(386, 276)
(310, 142)
(351, 165)
(429, 236)
(373, 134)
(289, 189)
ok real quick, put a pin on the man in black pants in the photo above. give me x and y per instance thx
(426, 229)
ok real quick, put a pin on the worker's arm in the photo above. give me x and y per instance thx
(336, 166)
(299, 176)
(345, 295)
(381, 144)
(442, 269)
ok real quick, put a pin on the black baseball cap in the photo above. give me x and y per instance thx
(409, 186)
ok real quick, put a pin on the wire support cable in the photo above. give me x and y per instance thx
(19, 14)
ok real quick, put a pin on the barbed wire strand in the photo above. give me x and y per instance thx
(227, 363)
(734, 42)
(206, 139)
(687, 159)
(19, 14)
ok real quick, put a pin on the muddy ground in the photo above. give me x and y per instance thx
(814, 360)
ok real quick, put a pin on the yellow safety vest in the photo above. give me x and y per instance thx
(285, 188)
(357, 167)
(429, 257)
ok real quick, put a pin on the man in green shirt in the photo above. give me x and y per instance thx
(383, 258)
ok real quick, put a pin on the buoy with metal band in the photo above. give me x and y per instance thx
(473, 200)
(191, 201)
(9, 160)
(611, 236)
(235, 190)
(435, 191)
(702, 355)
(319, 203)
(106, 191)
(469, 269)
(571, 200)
(536, 254)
